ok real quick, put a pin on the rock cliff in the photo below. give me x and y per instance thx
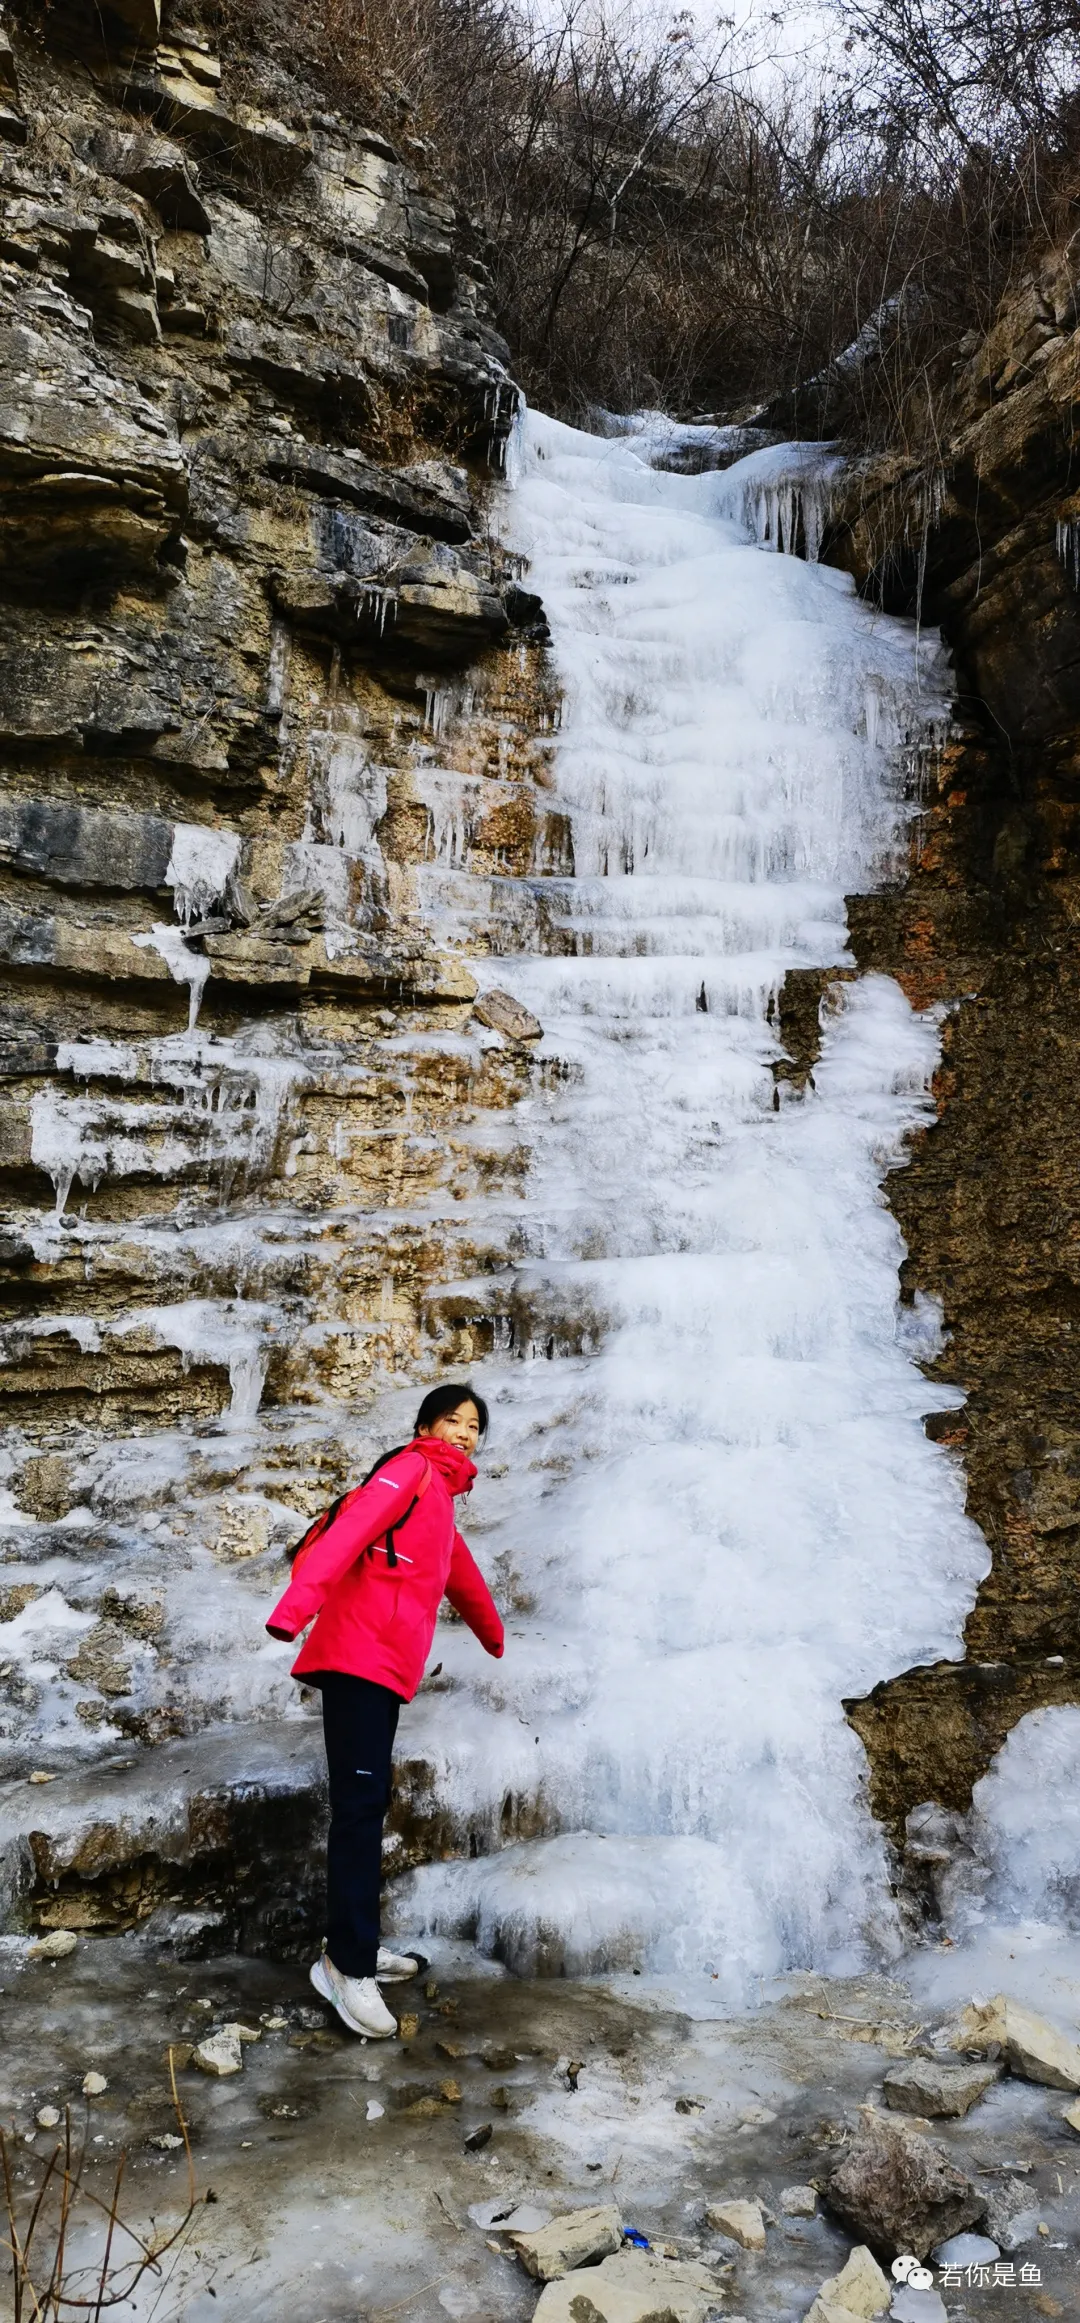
(274, 724)
(985, 542)
(263, 674)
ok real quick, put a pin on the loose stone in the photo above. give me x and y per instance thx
(1011, 2215)
(632, 2286)
(221, 2054)
(1032, 2048)
(741, 2220)
(798, 2201)
(859, 2289)
(921, 2085)
(576, 2240)
(59, 1946)
(506, 1015)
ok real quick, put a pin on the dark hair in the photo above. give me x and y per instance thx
(439, 1401)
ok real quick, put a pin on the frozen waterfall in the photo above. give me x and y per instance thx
(711, 1506)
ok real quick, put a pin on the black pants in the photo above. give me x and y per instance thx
(359, 1725)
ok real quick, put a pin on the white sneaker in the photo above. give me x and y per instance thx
(395, 1967)
(357, 1999)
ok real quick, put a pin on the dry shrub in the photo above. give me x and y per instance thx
(665, 227)
(47, 2221)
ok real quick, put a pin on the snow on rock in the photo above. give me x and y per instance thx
(782, 496)
(719, 1513)
(201, 866)
(217, 1103)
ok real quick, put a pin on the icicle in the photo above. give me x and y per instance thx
(229, 1332)
(1068, 546)
(200, 869)
(184, 965)
(781, 496)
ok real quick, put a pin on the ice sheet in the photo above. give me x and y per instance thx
(720, 1514)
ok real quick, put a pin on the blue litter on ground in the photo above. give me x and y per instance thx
(640, 2241)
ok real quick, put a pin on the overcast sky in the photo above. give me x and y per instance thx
(783, 30)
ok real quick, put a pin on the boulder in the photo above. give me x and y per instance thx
(859, 2289)
(634, 2286)
(504, 1014)
(922, 2085)
(1032, 2048)
(899, 2192)
(574, 2240)
(1072, 2116)
(741, 2220)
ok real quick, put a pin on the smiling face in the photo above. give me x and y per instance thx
(460, 1427)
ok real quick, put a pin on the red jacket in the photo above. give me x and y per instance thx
(377, 1620)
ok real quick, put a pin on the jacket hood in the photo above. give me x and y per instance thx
(456, 1468)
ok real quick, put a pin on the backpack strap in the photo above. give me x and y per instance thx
(319, 1526)
(345, 1500)
(391, 1552)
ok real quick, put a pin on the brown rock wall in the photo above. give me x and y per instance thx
(265, 674)
(987, 923)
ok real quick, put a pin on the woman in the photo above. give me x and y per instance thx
(372, 1575)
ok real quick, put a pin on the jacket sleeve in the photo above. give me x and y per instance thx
(470, 1596)
(379, 1504)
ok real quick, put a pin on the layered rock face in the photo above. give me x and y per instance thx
(262, 673)
(987, 925)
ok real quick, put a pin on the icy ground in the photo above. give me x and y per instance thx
(325, 2196)
(710, 1502)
